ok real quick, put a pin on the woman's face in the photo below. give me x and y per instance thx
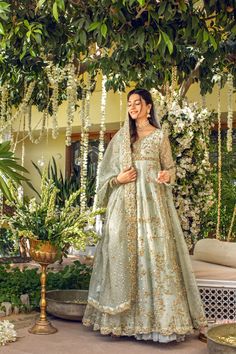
(137, 107)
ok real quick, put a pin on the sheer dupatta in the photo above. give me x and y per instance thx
(113, 285)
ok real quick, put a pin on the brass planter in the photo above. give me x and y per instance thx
(221, 339)
(44, 253)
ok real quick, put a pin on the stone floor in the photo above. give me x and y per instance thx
(73, 338)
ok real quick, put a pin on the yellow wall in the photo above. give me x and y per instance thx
(56, 148)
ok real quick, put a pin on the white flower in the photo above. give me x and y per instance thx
(32, 205)
(7, 332)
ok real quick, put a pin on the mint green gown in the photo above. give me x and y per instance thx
(166, 304)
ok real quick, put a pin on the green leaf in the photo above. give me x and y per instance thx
(93, 26)
(37, 38)
(182, 5)
(159, 39)
(28, 34)
(61, 4)
(23, 53)
(4, 188)
(4, 6)
(32, 53)
(213, 42)
(104, 30)
(40, 3)
(26, 23)
(162, 8)
(1, 29)
(167, 41)
(205, 36)
(55, 11)
(141, 38)
(83, 37)
(141, 2)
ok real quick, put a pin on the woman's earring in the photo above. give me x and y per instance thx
(148, 115)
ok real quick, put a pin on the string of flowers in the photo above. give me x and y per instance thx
(188, 126)
(230, 112)
(86, 95)
(71, 100)
(219, 162)
(22, 107)
(101, 147)
(83, 164)
(7, 332)
(42, 130)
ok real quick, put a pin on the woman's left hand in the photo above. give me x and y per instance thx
(163, 177)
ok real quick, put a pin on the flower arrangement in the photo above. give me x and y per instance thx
(7, 332)
(46, 221)
(188, 126)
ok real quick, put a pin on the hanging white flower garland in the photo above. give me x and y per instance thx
(42, 130)
(84, 143)
(9, 119)
(230, 112)
(71, 100)
(101, 146)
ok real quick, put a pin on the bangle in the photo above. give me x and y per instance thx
(114, 182)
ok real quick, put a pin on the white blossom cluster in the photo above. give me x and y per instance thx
(189, 126)
(7, 332)
(6, 116)
(72, 99)
(85, 125)
(101, 147)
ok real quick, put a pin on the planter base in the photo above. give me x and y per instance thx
(43, 327)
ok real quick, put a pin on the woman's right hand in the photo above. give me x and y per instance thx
(128, 175)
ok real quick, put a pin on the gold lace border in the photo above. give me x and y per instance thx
(127, 331)
(110, 310)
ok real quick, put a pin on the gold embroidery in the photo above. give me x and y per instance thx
(131, 213)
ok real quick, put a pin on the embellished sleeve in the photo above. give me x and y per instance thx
(166, 158)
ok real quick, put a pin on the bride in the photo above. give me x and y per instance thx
(142, 283)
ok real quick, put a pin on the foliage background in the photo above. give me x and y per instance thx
(139, 41)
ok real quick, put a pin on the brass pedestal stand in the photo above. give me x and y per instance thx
(44, 253)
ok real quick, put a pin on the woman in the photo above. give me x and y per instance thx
(142, 283)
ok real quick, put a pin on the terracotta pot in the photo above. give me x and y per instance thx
(43, 252)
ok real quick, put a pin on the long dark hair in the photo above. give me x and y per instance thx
(146, 96)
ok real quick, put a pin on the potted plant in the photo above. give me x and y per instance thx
(50, 229)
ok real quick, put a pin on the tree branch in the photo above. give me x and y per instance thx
(187, 83)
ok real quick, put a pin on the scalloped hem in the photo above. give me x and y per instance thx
(165, 336)
(110, 310)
